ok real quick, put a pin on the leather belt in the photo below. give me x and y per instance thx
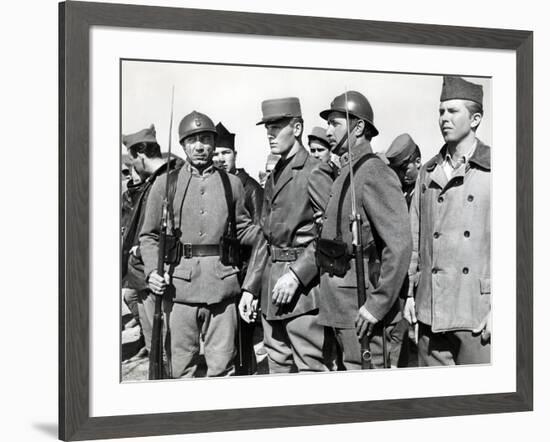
(287, 254)
(197, 250)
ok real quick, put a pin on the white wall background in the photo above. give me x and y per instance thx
(28, 81)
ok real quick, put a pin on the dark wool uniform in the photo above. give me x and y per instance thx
(292, 336)
(386, 238)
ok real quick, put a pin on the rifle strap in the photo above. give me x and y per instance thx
(345, 188)
(232, 226)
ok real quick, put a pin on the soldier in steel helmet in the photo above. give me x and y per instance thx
(385, 231)
(297, 188)
(450, 270)
(200, 286)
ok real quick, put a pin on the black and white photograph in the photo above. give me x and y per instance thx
(288, 220)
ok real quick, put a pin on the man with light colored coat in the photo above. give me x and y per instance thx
(450, 270)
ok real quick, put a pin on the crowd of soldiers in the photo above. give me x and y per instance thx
(287, 256)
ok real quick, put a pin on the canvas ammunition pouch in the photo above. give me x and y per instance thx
(229, 247)
(332, 255)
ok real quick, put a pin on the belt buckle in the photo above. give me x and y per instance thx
(187, 250)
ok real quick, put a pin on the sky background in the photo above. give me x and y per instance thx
(233, 94)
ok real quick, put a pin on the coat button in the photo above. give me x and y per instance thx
(440, 199)
(434, 270)
(465, 270)
(467, 234)
(470, 198)
(436, 235)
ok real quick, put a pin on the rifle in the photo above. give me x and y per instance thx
(357, 243)
(156, 361)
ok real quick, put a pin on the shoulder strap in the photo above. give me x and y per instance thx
(232, 227)
(345, 188)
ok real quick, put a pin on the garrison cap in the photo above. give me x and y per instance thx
(400, 150)
(279, 108)
(319, 133)
(194, 123)
(357, 106)
(143, 136)
(458, 88)
(225, 138)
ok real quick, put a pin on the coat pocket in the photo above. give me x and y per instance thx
(223, 271)
(485, 286)
(183, 272)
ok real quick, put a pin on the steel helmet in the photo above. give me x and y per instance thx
(195, 122)
(358, 107)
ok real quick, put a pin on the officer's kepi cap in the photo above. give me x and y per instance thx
(143, 136)
(318, 133)
(279, 108)
(457, 88)
(400, 150)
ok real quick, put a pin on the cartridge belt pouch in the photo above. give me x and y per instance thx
(332, 257)
(172, 248)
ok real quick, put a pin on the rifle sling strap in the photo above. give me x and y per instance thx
(345, 188)
(232, 227)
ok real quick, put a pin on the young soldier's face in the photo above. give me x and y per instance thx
(319, 150)
(224, 158)
(281, 136)
(199, 148)
(455, 120)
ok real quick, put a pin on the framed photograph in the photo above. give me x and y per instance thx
(134, 74)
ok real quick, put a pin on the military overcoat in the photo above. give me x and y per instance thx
(386, 239)
(451, 228)
(288, 214)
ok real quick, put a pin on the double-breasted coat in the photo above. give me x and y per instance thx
(288, 221)
(450, 224)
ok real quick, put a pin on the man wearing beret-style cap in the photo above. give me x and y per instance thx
(146, 160)
(202, 283)
(449, 274)
(385, 231)
(295, 191)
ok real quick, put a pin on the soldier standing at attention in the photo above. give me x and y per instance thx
(297, 188)
(200, 287)
(385, 231)
(451, 227)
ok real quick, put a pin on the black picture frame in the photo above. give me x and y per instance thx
(75, 21)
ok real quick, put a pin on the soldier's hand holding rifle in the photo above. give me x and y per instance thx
(157, 283)
(248, 307)
(364, 322)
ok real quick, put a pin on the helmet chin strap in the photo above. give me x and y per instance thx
(337, 147)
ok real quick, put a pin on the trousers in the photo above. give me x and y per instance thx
(295, 344)
(451, 348)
